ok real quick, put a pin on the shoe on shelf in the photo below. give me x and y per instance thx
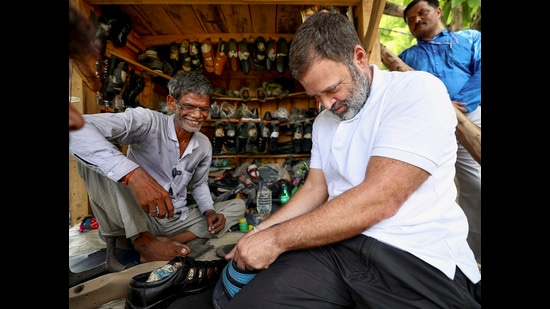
(196, 56)
(120, 28)
(297, 137)
(252, 138)
(244, 56)
(221, 57)
(273, 138)
(245, 93)
(207, 55)
(135, 87)
(174, 56)
(233, 55)
(260, 52)
(150, 59)
(242, 135)
(263, 137)
(185, 56)
(116, 78)
(102, 33)
(306, 139)
(219, 138)
(179, 277)
(282, 55)
(230, 137)
(260, 94)
(271, 54)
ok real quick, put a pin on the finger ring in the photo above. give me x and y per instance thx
(152, 211)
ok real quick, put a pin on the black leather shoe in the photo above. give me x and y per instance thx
(120, 28)
(185, 276)
(244, 57)
(271, 54)
(230, 137)
(282, 55)
(219, 138)
(135, 87)
(273, 138)
(260, 53)
(242, 134)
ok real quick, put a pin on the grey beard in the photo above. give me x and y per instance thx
(358, 95)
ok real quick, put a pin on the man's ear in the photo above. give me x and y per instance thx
(360, 57)
(171, 102)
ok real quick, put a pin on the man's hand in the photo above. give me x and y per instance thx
(459, 106)
(151, 196)
(215, 221)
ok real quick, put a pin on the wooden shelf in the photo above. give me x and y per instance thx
(296, 94)
(258, 120)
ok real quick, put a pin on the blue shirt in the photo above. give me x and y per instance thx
(453, 57)
(153, 146)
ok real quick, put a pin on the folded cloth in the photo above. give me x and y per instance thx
(232, 280)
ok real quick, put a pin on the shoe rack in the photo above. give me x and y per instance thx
(154, 23)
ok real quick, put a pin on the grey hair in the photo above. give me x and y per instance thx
(323, 35)
(190, 82)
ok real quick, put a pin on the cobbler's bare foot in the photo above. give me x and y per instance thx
(182, 237)
(153, 248)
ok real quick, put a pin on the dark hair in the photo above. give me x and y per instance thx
(190, 82)
(82, 47)
(432, 3)
(323, 35)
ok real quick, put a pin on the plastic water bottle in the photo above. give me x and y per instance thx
(285, 196)
(263, 201)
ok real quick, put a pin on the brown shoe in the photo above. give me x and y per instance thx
(221, 57)
(233, 55)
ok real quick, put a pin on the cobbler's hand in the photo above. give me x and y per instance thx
(215, 221)
(152, 197)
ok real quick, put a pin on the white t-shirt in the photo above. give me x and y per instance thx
(408, 117)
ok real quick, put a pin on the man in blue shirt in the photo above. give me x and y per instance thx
(455, 58)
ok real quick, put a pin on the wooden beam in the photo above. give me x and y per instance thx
(159, 40)
(371, 12)
(251, 2)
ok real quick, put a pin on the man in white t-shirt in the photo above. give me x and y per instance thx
(375, 224)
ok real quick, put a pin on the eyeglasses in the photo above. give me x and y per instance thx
(190, 108)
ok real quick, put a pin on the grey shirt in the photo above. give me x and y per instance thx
(153, 146)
